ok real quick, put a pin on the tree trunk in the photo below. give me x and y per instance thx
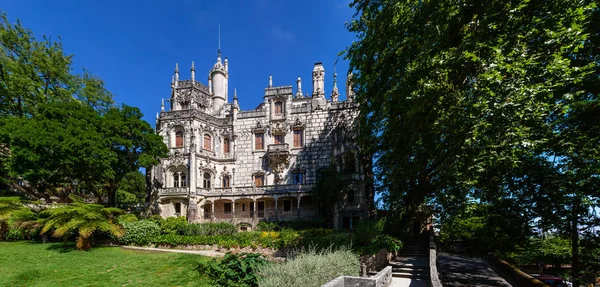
(112, 195)
(575, 242)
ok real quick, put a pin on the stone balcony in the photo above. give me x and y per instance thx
(278, 149)
(174, 191)
(257, 190)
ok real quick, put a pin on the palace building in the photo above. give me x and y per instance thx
(230, 165)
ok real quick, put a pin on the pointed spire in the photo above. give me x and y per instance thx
(270, 80)
(172, 81)
(226, 64)
(193, 70)
(157, 115)
(235, 93)
(299, 92)
(162, 104)
(176, 73)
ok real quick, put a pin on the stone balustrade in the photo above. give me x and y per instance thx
(174, 191)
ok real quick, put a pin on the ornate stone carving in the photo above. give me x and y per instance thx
(278, 127)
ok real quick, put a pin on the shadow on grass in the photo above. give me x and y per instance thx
(55, 246)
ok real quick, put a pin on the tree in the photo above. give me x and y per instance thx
(488, 94)
(84, 220)
(132, 189)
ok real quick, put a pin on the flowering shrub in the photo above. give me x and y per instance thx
(139, 232)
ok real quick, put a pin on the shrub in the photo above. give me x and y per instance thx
(139, 232)
(310, 268)
(267, 226)
(127, 218)
(206, 229)
(234, 269)
(174, 225)
(367, 230)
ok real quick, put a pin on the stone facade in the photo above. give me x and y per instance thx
(242, 167)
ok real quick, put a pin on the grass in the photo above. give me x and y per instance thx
(37, 264)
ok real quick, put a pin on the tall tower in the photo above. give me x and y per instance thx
(219, 80)
(318, 80)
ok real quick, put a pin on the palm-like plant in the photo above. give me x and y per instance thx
(82, 219)
(8, 205)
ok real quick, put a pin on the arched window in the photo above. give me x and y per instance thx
(278, 108)
(207, 142)
(176, 180)
(225, 146)
(206, 180)
(226, 181)
(179, 139)
(179, 179)
(350, 163)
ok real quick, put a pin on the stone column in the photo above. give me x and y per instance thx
(212, 209)
(233, 208)
(193, 169)
(298, 209)
(276, 212)
(255, 208)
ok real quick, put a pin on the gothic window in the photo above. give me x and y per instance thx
(259, 180)
(179, 139)
(350, 163)
(259, 141)
(185, 105)
(298, 138)
(278, 139)
(225, 146)
(179, 179)
(207, 142)
(176, 180)
(278, 108)
(226, 181)
(350, 197)
(298, 177)
(227, 207)
(287, 205)
(206, 180)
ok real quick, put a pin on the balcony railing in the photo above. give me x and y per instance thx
(278, 148)
(174, 191)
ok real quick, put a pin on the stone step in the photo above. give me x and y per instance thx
(417, 269)
(407, 265)
(410, 275)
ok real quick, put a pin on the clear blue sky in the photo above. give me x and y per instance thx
(134, 45)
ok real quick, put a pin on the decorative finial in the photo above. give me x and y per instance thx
(162, 104)
(172, 80)
(193, 69)
(235, 93)
(157, 115)
(176, 67)
(193, 72)
(299, 92)
(270, 80)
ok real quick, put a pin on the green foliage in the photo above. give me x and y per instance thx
(139, 232)
(310, 268)
(82, 219)
(173, 225)
(367, 230)
(206, 229)
(129, 217)
(234, 269)
(8, 205)
(268, 226)
(132, 189)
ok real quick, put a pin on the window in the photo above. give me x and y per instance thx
(243, 206)
(227, 207)
(207, 142)
(350, 197)
(298, 138)
(225, 146)
(206, 180)
(259, 180)
(176, 180)
(179, 139)
(179, 179)
(298, 177)
(287, 205)
(278, 108)
(278, 139)
(258, 141)
(350, 166)
(346, 222)
(177, 207)
(226, 181)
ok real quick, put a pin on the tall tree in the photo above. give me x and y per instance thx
(487, 95)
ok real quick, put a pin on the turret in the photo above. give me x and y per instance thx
(335, 93)
(349, 90)
(219, 78)
(318, 76)
(299, 91)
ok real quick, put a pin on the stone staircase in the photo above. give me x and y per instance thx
(412, 262)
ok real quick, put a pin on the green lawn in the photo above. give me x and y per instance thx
(36, 264)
